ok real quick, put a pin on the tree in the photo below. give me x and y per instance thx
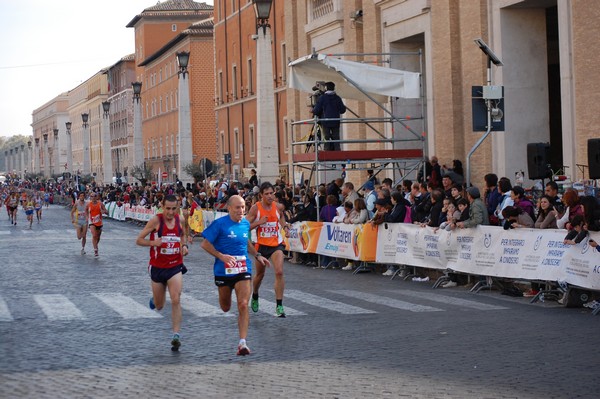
(142, 172)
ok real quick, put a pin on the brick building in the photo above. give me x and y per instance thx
(161, 32)
(235, 79)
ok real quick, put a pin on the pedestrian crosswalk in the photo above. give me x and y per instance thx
(41, 233)
(59, 307)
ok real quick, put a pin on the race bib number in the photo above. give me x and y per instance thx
(269, 229)
(170, 245)
(96, 219)
(240, 266)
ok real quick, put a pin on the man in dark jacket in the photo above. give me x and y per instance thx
(330, 106)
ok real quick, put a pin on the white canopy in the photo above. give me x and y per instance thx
(378, 82)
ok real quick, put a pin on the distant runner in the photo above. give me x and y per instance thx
(95, 210)
(79, 218)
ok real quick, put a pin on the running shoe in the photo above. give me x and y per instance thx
(243, 350)
(82, 251)
(279, 312)
(254, 305)
(151, 304)
(96, 253)
(175, 343)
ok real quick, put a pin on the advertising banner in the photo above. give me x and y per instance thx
(530, 254)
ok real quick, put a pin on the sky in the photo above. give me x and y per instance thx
(48, 47)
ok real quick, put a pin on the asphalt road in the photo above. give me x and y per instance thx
(73, 326)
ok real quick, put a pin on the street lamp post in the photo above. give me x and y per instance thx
(86, 144)
(16, 160)
(36, 156)
(106, 145)
(69, 149)
(185, 125)
(56, 154)
(46, 157)
(138, 146)
(23, 165)
(29, 156)
(266, 140)
(11, 164)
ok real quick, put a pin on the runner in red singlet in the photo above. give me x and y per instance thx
(168, 246)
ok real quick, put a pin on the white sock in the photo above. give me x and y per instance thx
(242, 341)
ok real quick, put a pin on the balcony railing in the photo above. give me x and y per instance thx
(321, 8)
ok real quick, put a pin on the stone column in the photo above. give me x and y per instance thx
(267, 152)
(185, 128)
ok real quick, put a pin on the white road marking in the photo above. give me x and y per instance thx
(451, 300)
(201, 308)
(269, 307)
(391, 302)
(325, 303)
(126, 307)
(4, 311)
(58, 307)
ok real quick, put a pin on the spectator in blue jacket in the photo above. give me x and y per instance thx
(330, 106)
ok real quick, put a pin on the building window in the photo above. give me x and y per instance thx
(220, 88)
(236, 143)
(286, 140)
(234, 89)
(250, 87)
(251, 140)
(160, 147)
(174, 27)
(283, 73)
(167, 146)
(222, 144)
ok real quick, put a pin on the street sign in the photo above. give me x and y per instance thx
(165, 175)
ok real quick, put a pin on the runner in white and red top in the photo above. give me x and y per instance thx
(168, 246)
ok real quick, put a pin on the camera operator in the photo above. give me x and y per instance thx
(330, 106)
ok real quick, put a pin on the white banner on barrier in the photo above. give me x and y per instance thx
(531, 254)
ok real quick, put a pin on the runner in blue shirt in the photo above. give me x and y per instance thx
(228, 240)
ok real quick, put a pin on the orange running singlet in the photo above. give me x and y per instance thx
(268, 234)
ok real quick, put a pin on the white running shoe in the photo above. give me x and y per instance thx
(243, 350)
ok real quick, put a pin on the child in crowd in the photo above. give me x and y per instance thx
(578, 231)
(452, 216)
(463, 207)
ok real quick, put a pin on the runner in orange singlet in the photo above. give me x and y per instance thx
(267, 217)
(95, 211)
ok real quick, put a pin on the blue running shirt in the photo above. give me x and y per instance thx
(230, 238)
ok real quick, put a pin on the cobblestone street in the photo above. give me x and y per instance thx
(72, 326)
